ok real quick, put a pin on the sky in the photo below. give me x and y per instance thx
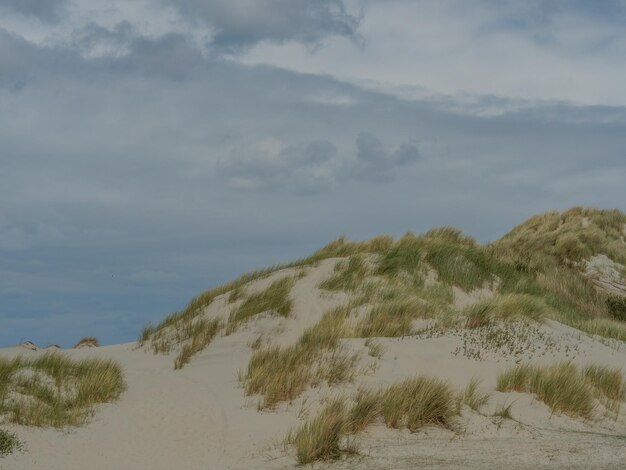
(152, 149)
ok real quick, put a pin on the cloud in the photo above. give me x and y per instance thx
(237, 25)
(271, 165)
(374, 163)
(309, 168)
(47, 11)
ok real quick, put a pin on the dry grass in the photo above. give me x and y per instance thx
(374, 348)
(414, 403)
(283, 373)
(320, 438)
(392, 318)
(608, 384)
(472, 396)
(417, 402)
(53, 390)
(560, 386)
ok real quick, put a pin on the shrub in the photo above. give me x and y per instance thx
(616, 305)
(9, 443)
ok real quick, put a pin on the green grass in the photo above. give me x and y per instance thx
(53, 390)
(560, 386)
(283, 373)
(274, 299)
(505, 307)
(9, 443)
(348, 276)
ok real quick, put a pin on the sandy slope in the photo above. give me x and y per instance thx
(199, 418)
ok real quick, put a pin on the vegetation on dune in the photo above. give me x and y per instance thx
(274, 299)
(283, 373)
(53, 390)
(9, 443)
(87, 342)
(536, 272)
(566, 389)
(203, 333)
(413, 403)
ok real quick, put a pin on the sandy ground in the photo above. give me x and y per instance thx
(199, 418)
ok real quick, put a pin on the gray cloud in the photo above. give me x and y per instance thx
(46, 10)
(241, 24)
(130, 183)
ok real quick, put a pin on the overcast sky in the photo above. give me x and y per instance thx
(154, 148)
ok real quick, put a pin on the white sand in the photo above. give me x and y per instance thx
(199, 418)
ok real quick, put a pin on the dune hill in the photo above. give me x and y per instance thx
(430, 350)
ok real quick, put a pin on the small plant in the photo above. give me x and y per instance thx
(9, 443)
(616, 305)
(366, 409)
(375, 349)
(503, 411)
(472, 397)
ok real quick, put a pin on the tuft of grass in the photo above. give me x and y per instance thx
(560, 386)
(9, 443)
(391, 318)
(348, 276)
(608, 384)
(418, 402)
(283, 373)
(472, 396)
(53, 390)
(274, 299)
(366, 410)
(505, 307)
(87, 342)
(236, 294)
(320, 438)
(375, 349)
(504, 411)
(203, 333)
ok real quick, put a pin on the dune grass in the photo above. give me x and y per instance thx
(9, 442)
(505, 307)
(413, 403)
(321, 438)
(473, 397)
(283, 373)
(203, 333)
(54, 390)
(274, 299)
(608, 384)
(348, 276)
(560, 386)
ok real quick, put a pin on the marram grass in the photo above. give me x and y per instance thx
(54, 390)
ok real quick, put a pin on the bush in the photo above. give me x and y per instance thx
(616, 305)
(8, 443)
